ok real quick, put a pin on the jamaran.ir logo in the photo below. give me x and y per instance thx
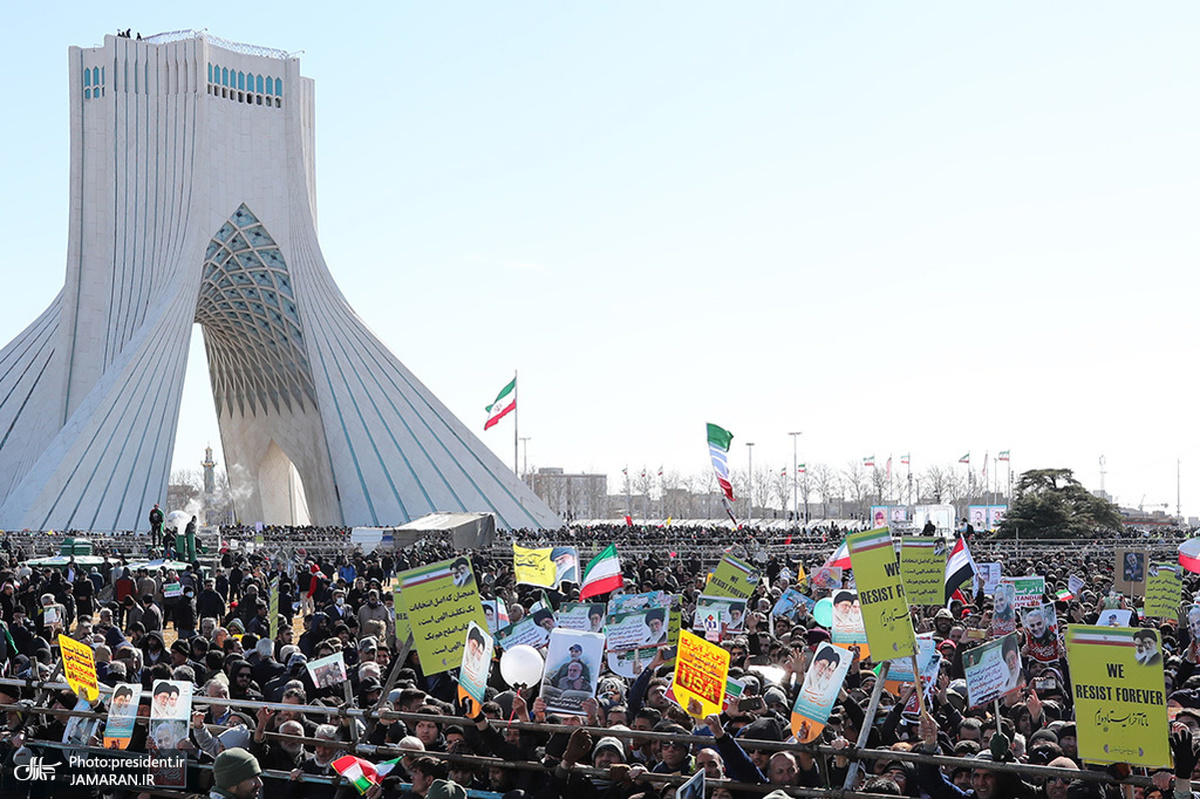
(35, 769)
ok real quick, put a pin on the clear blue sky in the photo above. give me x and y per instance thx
(925, 227)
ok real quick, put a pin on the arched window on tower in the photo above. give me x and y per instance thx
(87, 77)
(258, 83)
(242, 81)
(278, 87)
(210, 80)
(224, 76)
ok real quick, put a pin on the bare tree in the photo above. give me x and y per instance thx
(856, 482)
(879, 483)
(782, 489)
(937, 483)
(805, 492)
(827, 484)
(764, 486)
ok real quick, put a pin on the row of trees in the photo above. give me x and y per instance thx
(825, 490)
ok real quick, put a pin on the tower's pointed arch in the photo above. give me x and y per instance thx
(193, 201)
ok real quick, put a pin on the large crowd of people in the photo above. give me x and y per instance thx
(209, 624)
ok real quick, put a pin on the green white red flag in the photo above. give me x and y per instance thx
(603, 574)
(361, 773)
(504, 404)
(719, 440)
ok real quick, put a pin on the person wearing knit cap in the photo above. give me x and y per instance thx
(236, 775)
(446, 789)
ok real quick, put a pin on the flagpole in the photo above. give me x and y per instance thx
(516, 439)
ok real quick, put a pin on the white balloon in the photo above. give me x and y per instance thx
(521, 665)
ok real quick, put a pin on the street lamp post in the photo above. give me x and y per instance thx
(795, 477)
(525, 454)
(750, 483)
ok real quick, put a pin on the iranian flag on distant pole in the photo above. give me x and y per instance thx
(719, 440)
(506, 403)
(603, 574)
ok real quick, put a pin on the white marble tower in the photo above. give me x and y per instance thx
(193, 199)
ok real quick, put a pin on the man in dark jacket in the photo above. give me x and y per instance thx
(156, 523)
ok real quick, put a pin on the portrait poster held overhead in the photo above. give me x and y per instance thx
(1027, 591)
(733, 578)
(1164, 591)
(476, 663)
(526, 631)
(901, 671)
(989, 575)
(729, 613)
(848, 629)
(819, 692)
(993, 670)
(701, 670)
(587, 616)
(441, 601)
(923, 567)
(566, 565)
(882, 601)
(170, 712)
(1004, 610)
(573, 662)
(79, 667)
(640, 629)
(122, 715)
(1129, 572)
(693, 788)
(1042, 641)
(1114, 617)
(1120, 703)
(328, 671)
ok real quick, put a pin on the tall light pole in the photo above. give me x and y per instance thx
(795, 477)
(750, 483)
(525, 455)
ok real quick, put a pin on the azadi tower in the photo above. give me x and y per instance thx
(193, 199)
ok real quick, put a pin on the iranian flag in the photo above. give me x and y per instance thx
(506, 403)
(719, 440)
(603, 574)
(362, 774)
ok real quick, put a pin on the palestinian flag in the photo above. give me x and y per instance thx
(719, 440)
(960, 567)
(603, 574)
(362, 774)
(505, 403)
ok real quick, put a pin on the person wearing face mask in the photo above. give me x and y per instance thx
(184, 614)
(373, 609)
(277, 755)
(338, 609)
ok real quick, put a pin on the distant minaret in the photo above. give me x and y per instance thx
(210, 484)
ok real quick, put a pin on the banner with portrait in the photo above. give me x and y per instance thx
(572, 669)
(1120, 704)
(819, 692)
(441, 600)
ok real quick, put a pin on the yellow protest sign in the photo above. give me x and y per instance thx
(441, 601)
(1164, 591)
(733, 578)
(701, 669)
(534, 566)
(923, 569)
(881, 595)
(1120, 705)
(273, 608)
(79, 667)
(402, 631)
